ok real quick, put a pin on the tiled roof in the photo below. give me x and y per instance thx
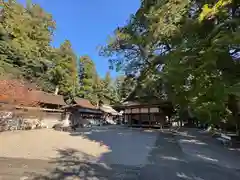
(21, 91)
(84, 103)
(48, 98)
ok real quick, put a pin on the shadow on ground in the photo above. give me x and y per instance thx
(165, 159)
(72, 164)
(168, 161)
(126, 146)
(128, 152)
(201, 145)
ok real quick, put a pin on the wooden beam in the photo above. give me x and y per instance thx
(149, 118)
(140, 118)
(131, 117)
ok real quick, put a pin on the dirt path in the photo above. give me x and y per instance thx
(45, 144)
(17, 169)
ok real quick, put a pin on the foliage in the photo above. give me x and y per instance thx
(98, 90)
(26, 52)
(93, 87)
(29, 33)
(123, 86)
(64, 72)
(108, 89)
(87, 78)
(186, 51)
(17, 93)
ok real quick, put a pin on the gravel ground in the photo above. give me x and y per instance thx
(45, 144)
(98, 153)
(115, 154)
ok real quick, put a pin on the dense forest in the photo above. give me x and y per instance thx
(26, 33)
(186, 52)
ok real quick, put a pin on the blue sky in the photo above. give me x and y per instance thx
(87, 23)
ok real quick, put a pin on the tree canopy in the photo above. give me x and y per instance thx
(26, 53)
(183, 51)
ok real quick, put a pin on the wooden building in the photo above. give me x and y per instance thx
(48, 108)
(143, 114)
(82, 112)
(111, 116)
(51, 106)
(49, 100)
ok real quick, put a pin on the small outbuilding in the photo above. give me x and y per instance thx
(51, 107)
(48, 107)
(83, 112)
(110, 115)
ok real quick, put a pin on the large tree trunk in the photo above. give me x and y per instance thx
(181, 122)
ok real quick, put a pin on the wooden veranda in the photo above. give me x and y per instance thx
(144, 115)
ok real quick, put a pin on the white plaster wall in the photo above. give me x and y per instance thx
(50, 119)
(50, 122)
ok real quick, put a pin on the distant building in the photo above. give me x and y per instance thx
(51, 106)
(49, 100)
(82, 112)
(110, 115)
(144, 114)
(48, 108)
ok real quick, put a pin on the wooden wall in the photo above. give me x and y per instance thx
(144, 116)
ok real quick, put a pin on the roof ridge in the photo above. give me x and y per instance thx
(47, 93)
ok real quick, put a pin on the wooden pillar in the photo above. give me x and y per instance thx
(140, 117)
(125, 118)
(160, 117)
(149, 118)
(131, 117)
